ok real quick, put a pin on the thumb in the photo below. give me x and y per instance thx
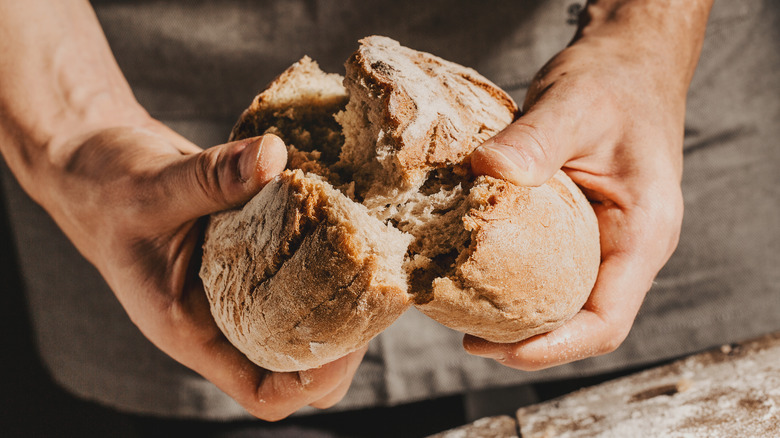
(528, 152)
(223, 176)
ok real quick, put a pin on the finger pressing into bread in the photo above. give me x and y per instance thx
(281, 394)
(341, 390)
(220, 177)
(378, 210)
(599, 328)
(266, 395)
(522, 154)
(261, 160)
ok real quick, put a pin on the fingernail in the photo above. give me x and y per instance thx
(248, 161)
(482, 348)
(305, 377)
(262, 159)
(272, 159)
(493, 355)
(508, 162)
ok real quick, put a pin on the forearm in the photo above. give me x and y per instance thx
(58, 81)
(665, 35)
(625, 55)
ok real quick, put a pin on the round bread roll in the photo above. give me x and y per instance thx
(378, 211)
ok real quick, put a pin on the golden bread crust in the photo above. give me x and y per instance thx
(436, 112)
(531, 264)
(289, 281)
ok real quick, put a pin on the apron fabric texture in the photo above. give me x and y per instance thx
(196, 64)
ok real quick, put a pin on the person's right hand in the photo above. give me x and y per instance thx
(132, 200)
(609, 110)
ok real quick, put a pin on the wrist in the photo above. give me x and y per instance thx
(663, 36)
(58, 82)
(43, 150)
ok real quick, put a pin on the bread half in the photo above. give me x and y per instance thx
(530, 264)
(301, 275)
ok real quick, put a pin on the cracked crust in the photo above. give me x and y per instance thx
(429, 113)
(301, 276)
(531, 264)
(298, 107)
(436, 112)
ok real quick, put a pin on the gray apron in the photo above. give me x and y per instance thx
(196, 65)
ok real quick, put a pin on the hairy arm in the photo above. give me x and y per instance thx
(609, 110)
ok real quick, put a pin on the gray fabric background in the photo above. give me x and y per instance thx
(195, 65)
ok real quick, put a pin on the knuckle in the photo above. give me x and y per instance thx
(611, 344)
(664, 210)
(536, 145)
(674, 221)
(671, 197)
(207, 175)
(614, 336)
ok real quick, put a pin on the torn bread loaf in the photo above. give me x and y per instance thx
(378, 210)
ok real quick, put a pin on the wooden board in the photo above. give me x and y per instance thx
(502, 426)
(733, 391)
